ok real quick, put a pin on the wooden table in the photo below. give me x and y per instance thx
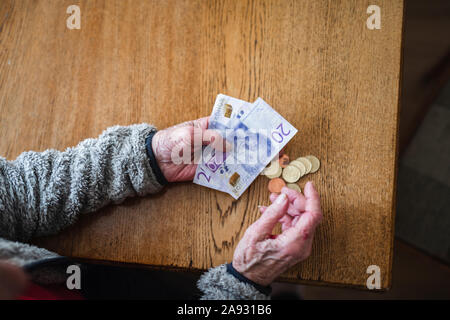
(164, 62)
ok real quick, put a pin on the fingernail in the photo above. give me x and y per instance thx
(280, 199)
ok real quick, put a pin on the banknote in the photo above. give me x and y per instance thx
(256, 133)
(207, 173)
(227, 112)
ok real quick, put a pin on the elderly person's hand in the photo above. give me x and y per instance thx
(261, 256)
(177, 148)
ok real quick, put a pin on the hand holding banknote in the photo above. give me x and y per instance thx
(176, 147)
(256, 131)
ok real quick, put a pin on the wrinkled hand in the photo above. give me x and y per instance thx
(262, 257)
(171, 144)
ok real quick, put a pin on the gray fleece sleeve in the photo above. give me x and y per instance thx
(44, 192)
(218, 284)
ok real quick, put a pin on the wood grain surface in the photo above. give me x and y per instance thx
(164, 62)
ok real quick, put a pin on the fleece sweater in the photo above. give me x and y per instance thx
(41, 193)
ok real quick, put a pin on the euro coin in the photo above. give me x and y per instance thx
(306, 163)
(300, 166)
(275, 185)
(291, 174)
(272, 168)
(294, 186)
(315, 163)
(276, 174)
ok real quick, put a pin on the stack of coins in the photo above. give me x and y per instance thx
(283, 172)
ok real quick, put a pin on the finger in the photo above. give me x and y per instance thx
(312, 204)
(201, 123)
(301, 231)
(291, 209)
(286, 222)
(273, 196)
(295, 220)
(265, 224)
(296, 198)
(304, 227)
(215, 139)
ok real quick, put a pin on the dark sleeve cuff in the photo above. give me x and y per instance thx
(264, 290)
(153, 163)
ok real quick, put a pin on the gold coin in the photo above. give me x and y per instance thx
(306, 163)
(315, 163)
(272, 168)
(291, 174)
(300, 166)
(294, 186)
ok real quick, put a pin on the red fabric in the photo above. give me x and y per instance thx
(52, 292)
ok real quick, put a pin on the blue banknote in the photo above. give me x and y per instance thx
(256, 133)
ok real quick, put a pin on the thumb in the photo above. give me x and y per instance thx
(215, 140)
(312, 203)
(264, 225)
